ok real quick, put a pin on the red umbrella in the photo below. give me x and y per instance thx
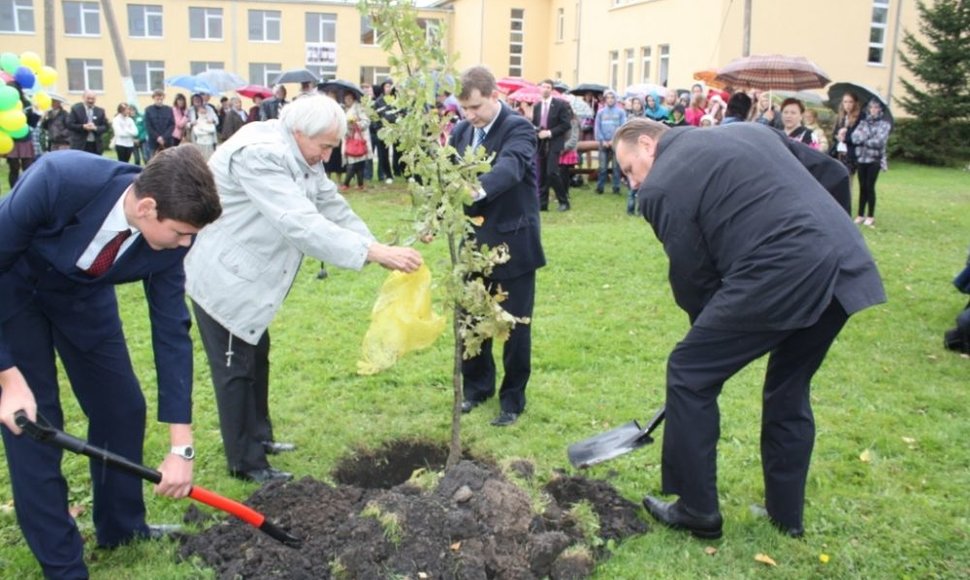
(255, 90)
(773, 72)
(532, 95)
(511, 84)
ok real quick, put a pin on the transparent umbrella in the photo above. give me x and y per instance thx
(221, 80)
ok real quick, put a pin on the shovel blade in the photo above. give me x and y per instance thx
(608, 445)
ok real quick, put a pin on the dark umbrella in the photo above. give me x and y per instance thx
(560, 86)
(773, 72)
(340, 87)
(589, 88)
(865, 94)
(300, 75)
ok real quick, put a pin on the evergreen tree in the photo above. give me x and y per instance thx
(940, 59)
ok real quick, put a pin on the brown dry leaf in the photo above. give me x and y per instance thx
(75, 510)
(710, 550)
(478, 220)
(865, 456)
(456, 546)
(765, 559)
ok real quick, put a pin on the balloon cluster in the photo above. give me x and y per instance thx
(28, 71)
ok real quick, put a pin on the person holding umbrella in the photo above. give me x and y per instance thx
(870, 137)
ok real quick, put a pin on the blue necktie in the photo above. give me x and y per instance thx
(479, 137)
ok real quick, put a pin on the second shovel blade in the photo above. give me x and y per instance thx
(608, 445)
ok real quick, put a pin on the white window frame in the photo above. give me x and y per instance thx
(83, 9)
(663, 66)
(631, 64)
(209, 15)
(516, 58)
(201, 66)
(614, 68)
(560, 24)
(432, 29)
(264, 18)
(17, 9)
(878, 5)
(89, 66)
(365, 23)
(149, 13)
(324, 21)
(150, 66)
(646, 63)
(269, 71)
(377, 74)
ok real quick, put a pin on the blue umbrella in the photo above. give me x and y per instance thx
(192, 84)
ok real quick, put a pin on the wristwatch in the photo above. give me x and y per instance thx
(186, 452)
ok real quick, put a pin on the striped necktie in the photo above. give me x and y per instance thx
(106, 257)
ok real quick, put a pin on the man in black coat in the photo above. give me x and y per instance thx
(764, 261)
(87, 124)
(551, 118)
(507, 203)
(159, 123)
(270, 108)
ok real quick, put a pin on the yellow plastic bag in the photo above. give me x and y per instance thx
(401, 321)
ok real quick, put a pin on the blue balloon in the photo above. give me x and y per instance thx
(25, 77)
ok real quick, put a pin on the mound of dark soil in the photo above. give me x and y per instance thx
(473, 523)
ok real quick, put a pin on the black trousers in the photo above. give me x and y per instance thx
(696, 371)
(868, 174)
(550, 176)
(478, 372)
(241, 382)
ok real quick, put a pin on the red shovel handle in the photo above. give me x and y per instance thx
(243, 512)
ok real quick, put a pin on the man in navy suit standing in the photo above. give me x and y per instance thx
(509, 207)
(552, 119)
(87, 123)
(75, 226)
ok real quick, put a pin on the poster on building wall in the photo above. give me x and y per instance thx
(321, 54)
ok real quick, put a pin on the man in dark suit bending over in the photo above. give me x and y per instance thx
(764, 261)
(551, 118)
(75, 226)
(508, 205)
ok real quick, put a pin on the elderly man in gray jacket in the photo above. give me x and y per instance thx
(279, 205)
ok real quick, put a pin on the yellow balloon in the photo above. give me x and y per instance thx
(47, 76)
(42, 100)
(31, 60)
(12, 120)
(6, 143)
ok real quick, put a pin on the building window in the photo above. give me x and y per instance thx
(877, 32)
(368, 34)
(205, 23)
(16, 16)
(630, 65)
(374, 75)
(431, 28)
(321, 27)
(82, 18)
(264, 25)
(200, 66)
(264, 73)
(663, 73)
(148, 75)
(646, 63)
(144, 21)
(516, 41)
(85, 75)
(614, 67)
(560, 24)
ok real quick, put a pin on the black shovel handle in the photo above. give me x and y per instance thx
(58, 438)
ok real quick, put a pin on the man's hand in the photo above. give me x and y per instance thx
(545, 133)
(15, 395)
(394, 257)
(176, 477)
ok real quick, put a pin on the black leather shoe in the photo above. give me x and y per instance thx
(262, 475)
(275, 448)
(322, 274)
(543, 208)
(162, 531)
(563, 207)
(677, 516)
(467, 406)
(505, 419)
(791, 532)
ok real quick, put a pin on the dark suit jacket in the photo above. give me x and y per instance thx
(76, 120)
(511, 206)
(270, 108)
(558, 122)
(755, 242)
(46, 223)
(159, 122)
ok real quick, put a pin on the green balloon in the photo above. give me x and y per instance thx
(9, 62)
(8, 97)
(21, 132)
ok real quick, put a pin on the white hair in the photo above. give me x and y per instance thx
(313, 115)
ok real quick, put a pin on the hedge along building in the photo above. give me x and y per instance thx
(613, 42)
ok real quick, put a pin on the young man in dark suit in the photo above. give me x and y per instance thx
(763, 260)
(551, 118)
(87, 123)
(507, 202)
(74, 227)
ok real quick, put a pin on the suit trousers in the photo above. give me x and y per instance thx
(478, 372)
(550, 176)
(108, 392)
(696, 371)
(241, 383)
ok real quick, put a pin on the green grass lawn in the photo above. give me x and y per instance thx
(887, 493)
